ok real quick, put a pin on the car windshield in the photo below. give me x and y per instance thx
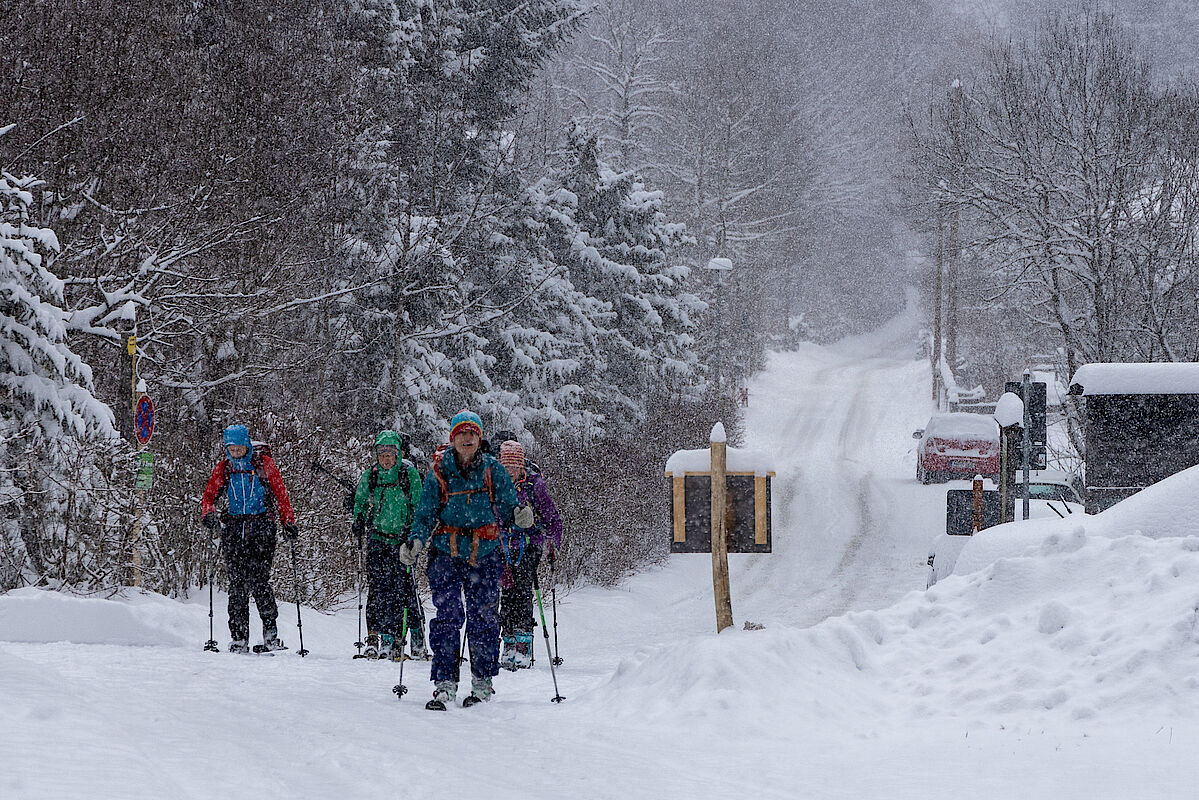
(1049, 491)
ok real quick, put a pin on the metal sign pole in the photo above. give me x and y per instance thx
(135, 578)
(1027, 385)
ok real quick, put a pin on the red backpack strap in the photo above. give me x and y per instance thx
(443, 486)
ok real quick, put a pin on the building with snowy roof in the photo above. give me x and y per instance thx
(1141, 425)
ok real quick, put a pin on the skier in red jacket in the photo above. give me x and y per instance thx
(254, 490)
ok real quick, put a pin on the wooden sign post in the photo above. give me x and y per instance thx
(720, 557)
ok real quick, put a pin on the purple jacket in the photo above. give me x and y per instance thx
(531, 489)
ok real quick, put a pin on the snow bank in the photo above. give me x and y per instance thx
(143, 618)
(1069, 619)
(1169, 508)
(1081, 628)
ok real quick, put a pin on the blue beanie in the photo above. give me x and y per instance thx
(465, 420)
(237, 434)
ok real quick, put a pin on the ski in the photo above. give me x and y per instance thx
(471, 700)
(263, 650)
(435, 705)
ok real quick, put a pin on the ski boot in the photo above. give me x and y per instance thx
(239, 646)
(522, 657)
(372, 646)
(508, 657)
(270, 640)
(387, 647)
(417, 650)
(480, 692)
(443, 692)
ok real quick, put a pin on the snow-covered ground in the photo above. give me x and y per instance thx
(1071, 671)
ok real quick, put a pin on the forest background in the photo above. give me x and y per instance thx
(588, 222)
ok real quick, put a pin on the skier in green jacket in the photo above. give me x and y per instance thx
(387, 494)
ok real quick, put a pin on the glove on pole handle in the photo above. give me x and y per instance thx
(295, 571)
(557, 659)
(558, 698)
(211, 645)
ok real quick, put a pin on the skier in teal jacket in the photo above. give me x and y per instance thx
(466, 497)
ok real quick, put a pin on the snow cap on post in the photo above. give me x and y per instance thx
(1009, 410)
(717, 433)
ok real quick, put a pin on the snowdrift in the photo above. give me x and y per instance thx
(1093, 616)
(141, 618)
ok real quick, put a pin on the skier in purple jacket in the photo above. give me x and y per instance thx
(523, 548)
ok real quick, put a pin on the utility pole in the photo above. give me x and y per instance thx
(720, 266)
(937, 293)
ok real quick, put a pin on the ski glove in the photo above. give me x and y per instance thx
(359, 530)
(212, 521)
(523, 516)
(290, 531)
(552, 555)
(409, 552)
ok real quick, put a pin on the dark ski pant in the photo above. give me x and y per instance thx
(248, 546)
(451, 579)
(390, 589)
(516, 601)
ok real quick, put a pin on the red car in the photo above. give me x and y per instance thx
(957, 445)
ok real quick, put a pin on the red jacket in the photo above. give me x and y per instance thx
(266, 471)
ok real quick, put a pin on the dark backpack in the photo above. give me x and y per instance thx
(372, 483)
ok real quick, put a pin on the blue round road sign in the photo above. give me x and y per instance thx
(143, 419)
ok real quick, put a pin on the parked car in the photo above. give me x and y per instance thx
(957, 445)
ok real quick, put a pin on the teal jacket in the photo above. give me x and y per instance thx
(467, 504)
(389, 510)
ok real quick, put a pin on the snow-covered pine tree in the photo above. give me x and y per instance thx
(451, 74)
(46, 400)
(620, 251)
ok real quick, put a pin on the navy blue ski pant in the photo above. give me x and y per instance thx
(451, 579)
(390, 589)
(248, 545)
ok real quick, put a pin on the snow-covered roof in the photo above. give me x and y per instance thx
(690, 462)
(1155, 378)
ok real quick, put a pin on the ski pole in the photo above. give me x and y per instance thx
(295, 571)
(400, 689)
(358, 643)
(558, 698)
(557, 659)
(211, 645)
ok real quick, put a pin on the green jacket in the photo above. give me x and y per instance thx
(388, 510)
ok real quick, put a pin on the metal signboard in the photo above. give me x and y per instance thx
(143, 419)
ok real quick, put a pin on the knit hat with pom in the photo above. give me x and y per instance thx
(512, 456)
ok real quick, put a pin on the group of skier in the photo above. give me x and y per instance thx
(484, 521)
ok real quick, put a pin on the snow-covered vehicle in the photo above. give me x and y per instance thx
(1051, 493)
(957, 445)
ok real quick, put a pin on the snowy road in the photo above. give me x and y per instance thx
(861, 685)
